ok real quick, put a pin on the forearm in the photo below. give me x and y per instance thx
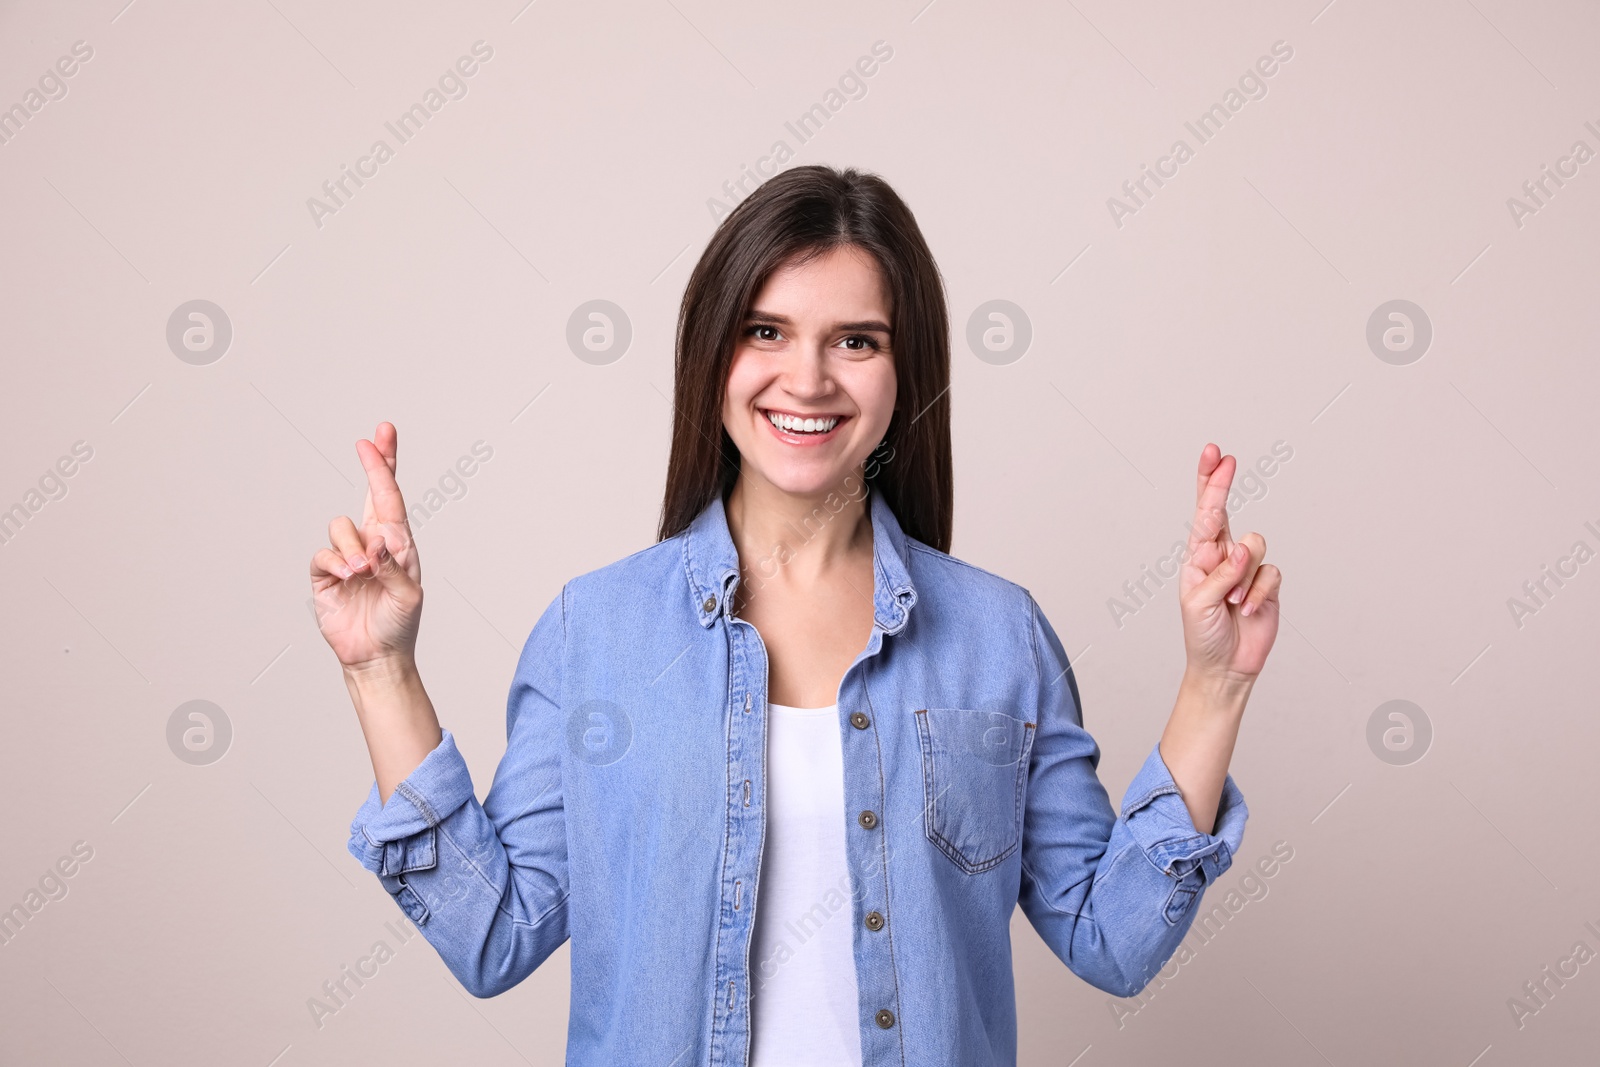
(397, 719)
(1197, 744)
(439, 853)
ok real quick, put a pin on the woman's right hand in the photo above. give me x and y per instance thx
(367, 586)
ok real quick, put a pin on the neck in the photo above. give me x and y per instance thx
(789, 537)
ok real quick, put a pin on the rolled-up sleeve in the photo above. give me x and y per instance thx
(402, 836)
(486, 883)
(1113, 893)
(1158, 820)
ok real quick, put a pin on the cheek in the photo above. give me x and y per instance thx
(873, 390)
(744, 382)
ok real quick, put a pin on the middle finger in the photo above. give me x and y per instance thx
(1257, 547)
(1210, 528)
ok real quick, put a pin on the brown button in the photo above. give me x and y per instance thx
(859, 721)
(867, 819)
(710, 604)
(885, 1018)
(874, 920)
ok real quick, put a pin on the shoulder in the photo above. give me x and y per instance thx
(973, 614)
(630, 595)
(635, 574)
(945, 577)
(988, 618)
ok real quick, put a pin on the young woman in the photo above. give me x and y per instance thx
(783, 776)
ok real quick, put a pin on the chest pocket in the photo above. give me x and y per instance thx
(974, 768)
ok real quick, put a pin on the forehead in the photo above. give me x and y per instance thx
(842, 283)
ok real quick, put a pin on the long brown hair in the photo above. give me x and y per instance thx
(793, 216)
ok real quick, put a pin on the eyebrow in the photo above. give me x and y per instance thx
(784, 320)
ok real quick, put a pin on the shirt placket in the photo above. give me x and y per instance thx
(866, 851)
(745, 827)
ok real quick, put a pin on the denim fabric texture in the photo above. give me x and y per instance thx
(627, 814)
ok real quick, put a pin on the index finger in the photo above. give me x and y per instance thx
(386, 438)
(388, 441)
(388, 506)
(1214, 480)
(1210, 456)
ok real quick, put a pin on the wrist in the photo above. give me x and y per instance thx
(382, 676)
(1218, 690)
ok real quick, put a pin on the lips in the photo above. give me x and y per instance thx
(803, 429)
(802, 423)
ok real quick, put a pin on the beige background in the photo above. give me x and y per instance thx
(1233, 306)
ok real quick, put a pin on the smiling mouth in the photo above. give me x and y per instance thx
(802, 426)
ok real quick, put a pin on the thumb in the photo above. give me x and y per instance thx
(389, 572)
(1224, 576)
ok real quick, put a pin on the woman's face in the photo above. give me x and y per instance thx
(816, 346)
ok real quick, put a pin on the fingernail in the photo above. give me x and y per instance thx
(1236, 594)
(383, 550)
(358, 561)
(1239, 552)
(1248, 608)
(346, 572)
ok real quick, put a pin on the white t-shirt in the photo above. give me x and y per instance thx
(804, 1005)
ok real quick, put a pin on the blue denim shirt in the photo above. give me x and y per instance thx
(628, 814)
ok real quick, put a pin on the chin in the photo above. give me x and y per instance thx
(812, 480)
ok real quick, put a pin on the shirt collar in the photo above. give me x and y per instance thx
(712, 564)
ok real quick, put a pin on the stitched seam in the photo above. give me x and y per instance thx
(1033, 643)
(877, 566)
(689, 567)
(418, 802)
(929, 787)
(895, 542)
(1206, 845)
(883, 851)
(970, 866)
(918, 546)
(948, 847)
(1160, 790)
(688, 570)
(1164, 847)
(409, 863)
(1028, 734)
(727, 839)
(967, 866)
(928, 798)
(432, 849)
(735, 715)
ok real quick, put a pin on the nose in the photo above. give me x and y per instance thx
(808, 377)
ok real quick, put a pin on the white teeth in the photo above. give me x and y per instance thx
(790, 424)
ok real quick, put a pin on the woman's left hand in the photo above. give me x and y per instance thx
(1228, 597)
